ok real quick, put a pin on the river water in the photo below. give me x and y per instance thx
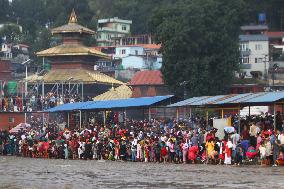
(16, 172)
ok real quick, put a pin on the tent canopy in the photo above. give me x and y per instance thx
(111, 104)
(233, 100)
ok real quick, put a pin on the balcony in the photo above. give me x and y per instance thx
(246, 66)
(246, 52)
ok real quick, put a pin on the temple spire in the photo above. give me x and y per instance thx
(73, 17)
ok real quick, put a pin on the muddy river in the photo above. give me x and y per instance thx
(18, 172)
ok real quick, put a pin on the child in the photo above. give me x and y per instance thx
(164, 152)
(228, 153)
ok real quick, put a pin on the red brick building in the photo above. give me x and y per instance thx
(5, 70)
(148, 83)
(9, 120)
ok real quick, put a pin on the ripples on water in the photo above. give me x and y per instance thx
(42, 173)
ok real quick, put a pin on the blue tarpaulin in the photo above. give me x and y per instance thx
(111, 104)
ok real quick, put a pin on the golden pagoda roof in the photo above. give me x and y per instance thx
(72, 27)
(72, 50)
(121, 92)
(74, 75)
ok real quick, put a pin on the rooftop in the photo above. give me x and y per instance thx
(275, 34)
(253, 38)
(72, 50)
(115, 19)
(254, 27)
(121, 92)
(80, 75)
(149, 77)
(72, 27)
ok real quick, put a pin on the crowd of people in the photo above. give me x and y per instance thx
(36, 102)
(167, 141)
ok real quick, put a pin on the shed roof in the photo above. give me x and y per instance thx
(233, 100)
(111, 104)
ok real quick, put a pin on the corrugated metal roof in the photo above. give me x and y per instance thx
(188, 101)
(253, 38)
(110, 104)
(267, 97)
(70, 106)
(233, 99)
(126, 103)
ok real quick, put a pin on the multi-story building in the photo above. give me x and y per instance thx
(276, 44)
(112, 28)
(133, 40)
(254, 52)
(141, 57)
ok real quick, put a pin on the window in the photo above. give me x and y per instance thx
(136, 52)
(123, 51)
(124, 27)
(244, 47)
(11, 120)
(258, 47)
(108, 36)
(258, 60)
(245, 60)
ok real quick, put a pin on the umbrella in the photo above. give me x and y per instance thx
(21, 126)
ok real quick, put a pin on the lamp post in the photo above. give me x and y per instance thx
(183, 84)
(26, 82)
(274, 69)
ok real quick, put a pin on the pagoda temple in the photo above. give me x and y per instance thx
(73, 61)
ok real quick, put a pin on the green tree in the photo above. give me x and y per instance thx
(199, 44)
(11, 33)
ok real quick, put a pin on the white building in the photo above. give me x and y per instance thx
(6, 49)
(142, 62)
(142, 57)
(125, 51)
(254, 50)
(111, 28)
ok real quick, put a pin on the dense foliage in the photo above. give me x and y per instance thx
(200, 44)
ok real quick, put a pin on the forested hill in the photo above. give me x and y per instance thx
(34, 15)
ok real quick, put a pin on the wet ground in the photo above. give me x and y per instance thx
(18, 172)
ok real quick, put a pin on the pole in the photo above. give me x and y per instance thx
(149, 114)
(82, 92)
(68, 119)
(26, 91)
(249, 111)
(222, 113)
(207, 117)
(125, 117)
(26, 83)
(177, 113)
(42, 103)
(239, 120)
(274, 121)
(80, 119)
(104, 118)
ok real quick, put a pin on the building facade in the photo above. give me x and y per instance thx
(112, 28)
(254, 52)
